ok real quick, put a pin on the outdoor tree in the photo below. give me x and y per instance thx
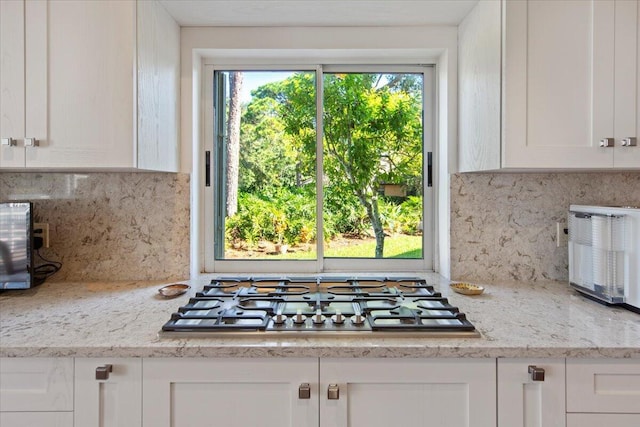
(372, 133)
(233, 142)
(267, 159)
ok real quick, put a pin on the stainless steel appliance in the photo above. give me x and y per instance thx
(16, 245)
(604, 253)
(320, 305)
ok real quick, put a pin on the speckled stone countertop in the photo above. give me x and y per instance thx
(123, 320)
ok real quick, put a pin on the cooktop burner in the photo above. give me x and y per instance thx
(325, 305)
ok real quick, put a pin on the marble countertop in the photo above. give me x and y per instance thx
(123, 320)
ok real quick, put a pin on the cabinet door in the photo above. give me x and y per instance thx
(91, 90)
(36, 419)
(416, 392)
(627, 78)
(523, 402)
(603, 386)
(558, 83)
(113, 402)
(479, 80)
(36, 384)
(229, 392)
(158, 88)
(23, 78)
(12, 82)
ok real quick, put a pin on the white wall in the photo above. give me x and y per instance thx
(326, 45)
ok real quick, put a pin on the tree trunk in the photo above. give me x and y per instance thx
(233, 142)
(374, 216)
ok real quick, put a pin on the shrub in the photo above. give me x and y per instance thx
(404, 217)
(289, 216)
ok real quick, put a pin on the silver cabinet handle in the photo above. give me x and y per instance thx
(304, 391)
(537, 374)
(333, 393)
(102, 372)
(31, 142)
(9, 142)
(630, 141)
(607, 142)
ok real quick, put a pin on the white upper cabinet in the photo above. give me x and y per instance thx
(23, 79)
(565, 77)
(94, 83)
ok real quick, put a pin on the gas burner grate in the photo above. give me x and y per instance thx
(309, 305)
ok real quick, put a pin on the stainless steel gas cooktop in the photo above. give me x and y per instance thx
(324, 306)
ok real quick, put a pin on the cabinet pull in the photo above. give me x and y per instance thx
(304, 391)
(31, 142)
(537, 374)
(333, 393)
(9, 142)
(607, 142)
(629, 141)
(102, 372)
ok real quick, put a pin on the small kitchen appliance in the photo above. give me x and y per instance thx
(604, 253)
(16, 245)
(319, 306)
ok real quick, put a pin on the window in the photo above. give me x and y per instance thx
(320, 169)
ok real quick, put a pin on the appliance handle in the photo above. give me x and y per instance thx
(582, 215)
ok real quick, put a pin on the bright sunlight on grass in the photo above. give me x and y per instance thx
(397, 246)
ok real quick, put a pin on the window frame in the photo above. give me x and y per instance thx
(321, 264)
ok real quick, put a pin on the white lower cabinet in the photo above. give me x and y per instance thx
(528, 400)
(230, 392)
(603, 393)
(348, 392)
(108, 392)
(416, 392)
(36, 392)
(311, 392)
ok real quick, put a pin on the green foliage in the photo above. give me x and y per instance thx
(404, 217)
(283, 216)
(372, 135)
(263, 163)
(286, 216)
(343, 213)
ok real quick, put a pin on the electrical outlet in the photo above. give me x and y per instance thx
(41, 229)
(562, 238)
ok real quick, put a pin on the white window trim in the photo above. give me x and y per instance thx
(321, 264)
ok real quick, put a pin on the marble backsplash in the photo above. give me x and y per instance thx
(110, 226)
(135, 226)
(503, 225)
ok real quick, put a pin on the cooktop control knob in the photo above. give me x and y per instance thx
(358, 319)
(279, 318)
(318, 318)
(299, 319)
(337, 318)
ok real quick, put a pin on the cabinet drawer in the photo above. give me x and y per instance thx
(603, 386)
(36, 419)
(603, 420)
(32, 384)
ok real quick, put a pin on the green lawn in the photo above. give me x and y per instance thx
(397, 246)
